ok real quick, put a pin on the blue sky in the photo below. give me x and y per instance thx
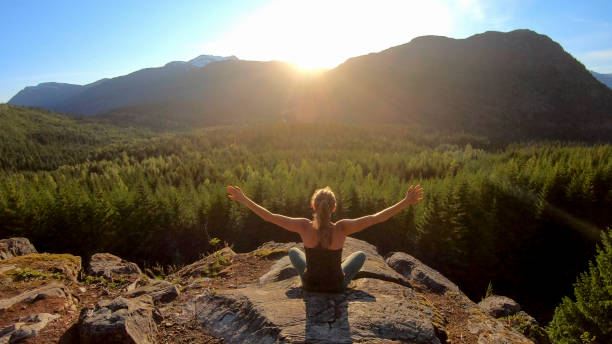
(83, 41)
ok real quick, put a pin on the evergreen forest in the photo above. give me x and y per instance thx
(525, 217)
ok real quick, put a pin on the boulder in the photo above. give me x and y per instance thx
(282, 312)
(208, 266)
(14, 247)
(160, 291)
(26, 327)
(274, 250)
(112, 267)
(414, 270)
(374, 266)
(44, 266)
(489, 330)
(120, 321)
(50, 290)
(529, 327)
(499, 306)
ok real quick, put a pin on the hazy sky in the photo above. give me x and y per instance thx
(83, 41)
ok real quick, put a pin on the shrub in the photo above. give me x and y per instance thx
(27, 274)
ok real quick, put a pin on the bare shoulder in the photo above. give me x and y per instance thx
(304, 224)
(341, 224)
(293, 224)
(350, 226)
(338, 224)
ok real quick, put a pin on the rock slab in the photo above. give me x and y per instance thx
(14, 247)
(414, 270)
(50, 290)
(204, 267)
(499, 306)
(160, 291)
(26, 327)
(282, 312)
(120, 321)
(112, 267)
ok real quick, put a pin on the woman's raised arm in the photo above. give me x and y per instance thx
(350, 226)
(289, 223)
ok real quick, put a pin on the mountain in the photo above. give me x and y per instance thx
(226, 92)
(516, 85)
(103, 95)
(45, 95)
(605, 78)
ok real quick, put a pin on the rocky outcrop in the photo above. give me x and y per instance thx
(528, 326)
(414, 270)
(381, 305)
(51, 290)
(282, 312)
(509, 311)
(245, 297)
(26, 327)
(499, 306)
(210, 265)
(160, 291)
(112, 267)
(121, 321)
(14, 247)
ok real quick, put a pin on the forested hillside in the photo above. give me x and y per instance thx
(36, 139)
(524, 217)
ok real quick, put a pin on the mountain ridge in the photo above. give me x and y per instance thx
(517, 85)
(606, 79)
(70, 98)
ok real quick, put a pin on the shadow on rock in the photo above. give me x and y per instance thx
(327, 315)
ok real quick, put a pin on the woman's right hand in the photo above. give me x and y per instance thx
(414, 194)
(234, 192)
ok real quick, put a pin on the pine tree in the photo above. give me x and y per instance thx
(589, 318)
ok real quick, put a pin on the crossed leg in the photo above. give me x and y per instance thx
(298, 259)
(350, 266)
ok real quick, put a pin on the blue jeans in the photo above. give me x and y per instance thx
(350, 265)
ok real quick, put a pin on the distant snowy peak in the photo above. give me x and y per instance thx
(199, 61)
(48, 85)
(203, 60)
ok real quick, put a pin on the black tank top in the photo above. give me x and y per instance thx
(323, 270)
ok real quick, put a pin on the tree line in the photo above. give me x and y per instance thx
(524, 217)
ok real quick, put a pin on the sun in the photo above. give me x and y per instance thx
(314, 63)
(319, 34)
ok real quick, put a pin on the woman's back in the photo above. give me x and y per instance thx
(311, 237)
(321, 267)
(323, 270)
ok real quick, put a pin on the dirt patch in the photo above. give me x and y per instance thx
(190, 332)
(455, 312)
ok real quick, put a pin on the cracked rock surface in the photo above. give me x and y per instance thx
(283, 312)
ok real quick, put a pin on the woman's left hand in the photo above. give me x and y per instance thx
(414, 194)
(234, 192)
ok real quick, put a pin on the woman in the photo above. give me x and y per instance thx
(321, 269)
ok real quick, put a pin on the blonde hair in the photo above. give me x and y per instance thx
(323, 201)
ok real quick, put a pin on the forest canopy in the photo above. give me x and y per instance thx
(524, 217)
